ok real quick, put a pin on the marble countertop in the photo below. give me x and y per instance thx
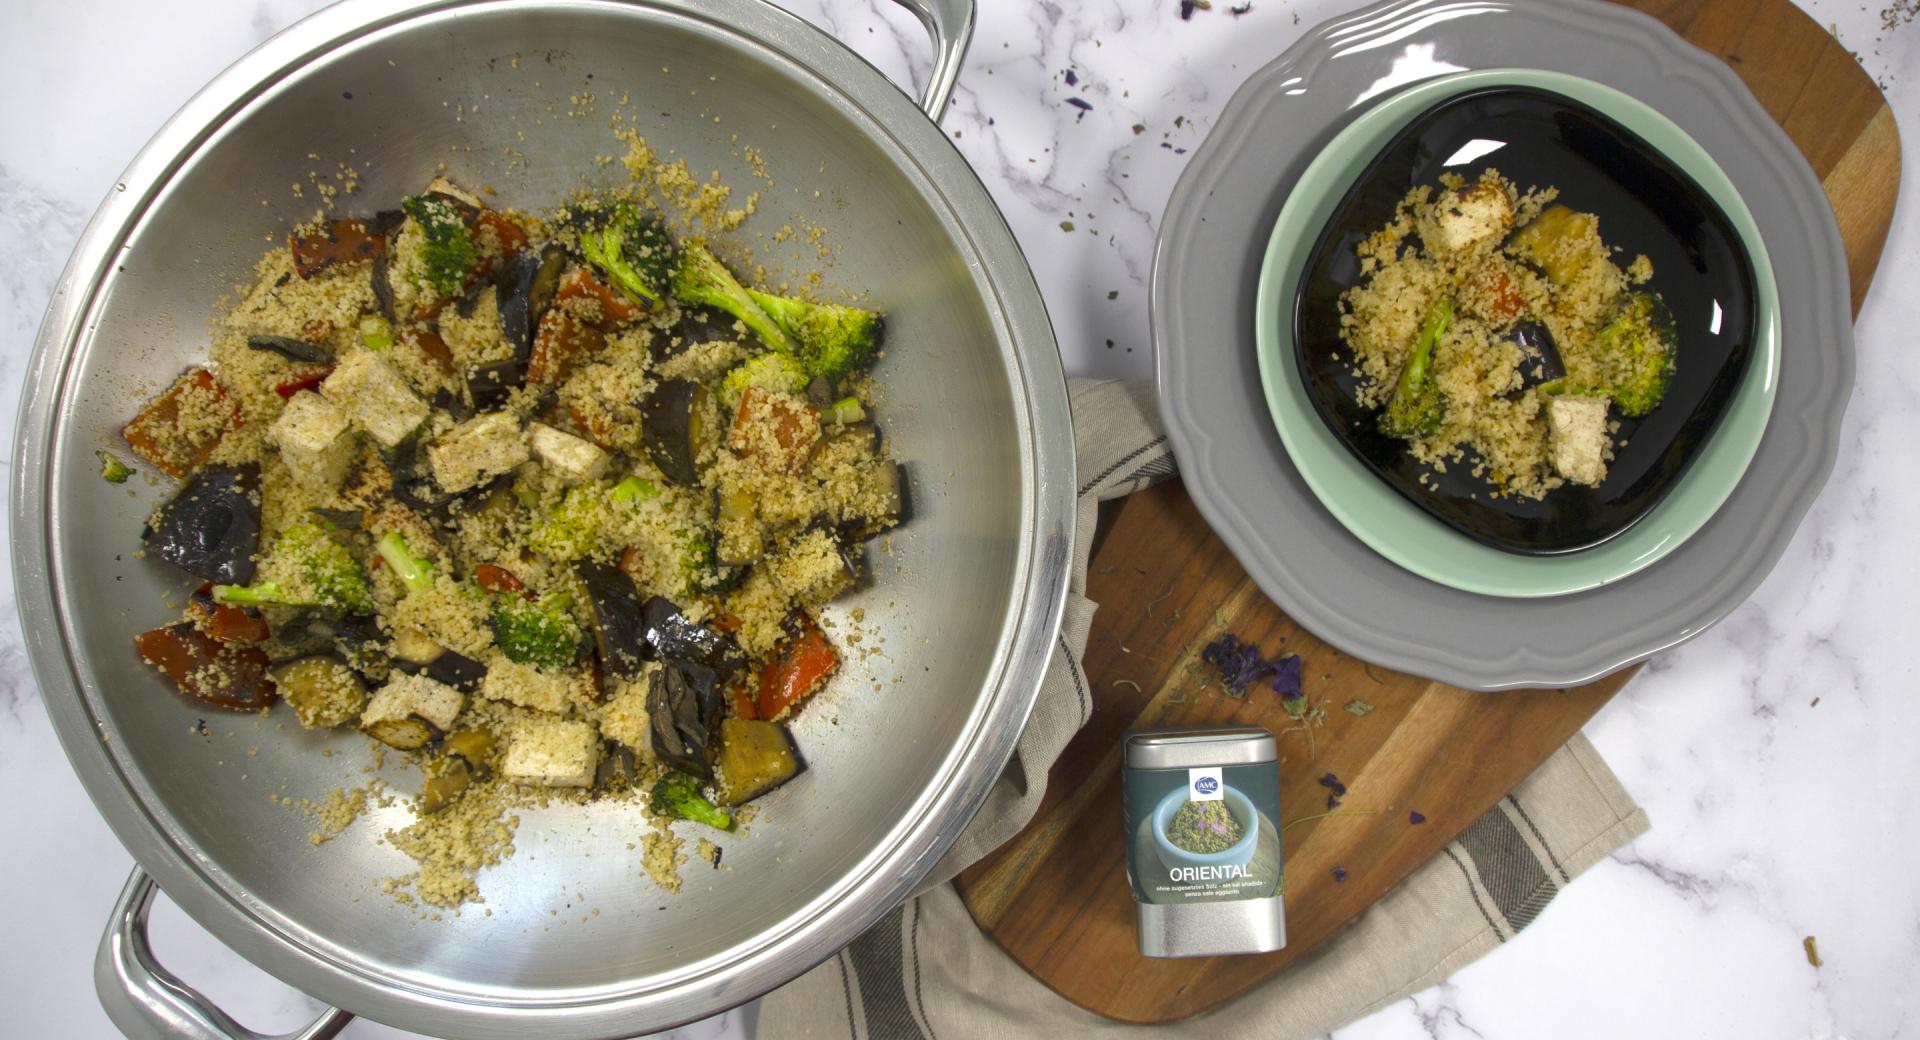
(1773, 753)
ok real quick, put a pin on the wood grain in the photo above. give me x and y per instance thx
(1056, 898)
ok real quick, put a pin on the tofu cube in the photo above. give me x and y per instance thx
(411, 710)
(477, 450)
(1577, 435)
(375, 396)
(1469, 216)
(315, 439)
(576, 460)
(552, 753)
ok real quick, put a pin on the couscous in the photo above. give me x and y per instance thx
(547, 503)
(1493, 328)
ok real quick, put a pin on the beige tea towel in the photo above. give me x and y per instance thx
(926, 971)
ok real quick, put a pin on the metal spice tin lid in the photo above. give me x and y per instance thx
(1196, 747)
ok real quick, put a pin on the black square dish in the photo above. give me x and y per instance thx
(1701, 269)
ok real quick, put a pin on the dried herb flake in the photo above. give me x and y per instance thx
(1357, 707)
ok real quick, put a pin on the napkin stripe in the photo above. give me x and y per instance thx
(1510, 871)
(883, 992)
(1466, 873)
(1159, 441)
(1552, 856)
(1079, 681)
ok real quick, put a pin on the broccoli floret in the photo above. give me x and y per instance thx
(1417, 406)
(447, 253)
(632, 491)
(703, 281)
(415, 572)
(631, 248)
(112, 470)
(834, 339)
(539, 632)
(678, 795)
(700, 564)
(845, 410)
(1637, 347)
(765, 372)
(305, 568)
(1642, 339)
(572, 529)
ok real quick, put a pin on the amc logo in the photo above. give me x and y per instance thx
(1206, 785)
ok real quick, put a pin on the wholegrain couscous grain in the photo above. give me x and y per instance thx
(463, 505)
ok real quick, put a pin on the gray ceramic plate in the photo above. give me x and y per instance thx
(1235, 466)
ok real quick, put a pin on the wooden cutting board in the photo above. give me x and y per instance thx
(1056, 898)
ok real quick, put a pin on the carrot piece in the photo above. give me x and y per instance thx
(613, 308)
(512, 239)
(559, 344)
(173, 446)
(223, 623)
(499, 579)
(795, 428)
(743, 703)
(802, 662)
(230, 676)
(345, 241)
(308, 381)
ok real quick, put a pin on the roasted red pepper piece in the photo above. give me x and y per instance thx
(561, 342)
(230, 676)
(512, 239)
(499, 579)
(614, 308)
(802, 662)
(305, 381)
(223, 623)
(158, 436)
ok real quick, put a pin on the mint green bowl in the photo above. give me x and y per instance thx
(1376, 513)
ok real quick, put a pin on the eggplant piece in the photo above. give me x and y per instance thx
(447, 778)
(457, 670)
(679, 422)
(893, 506)
(211, 526)
(534, 277)
(738, 539)
(218, 673)
(696, 325)
(489, 385)
(358, 639)
(755, 757)
(383, 286)
(323, 691)
(291, 349)
(684, 708)
(619, 628)
(619, 768)
(445, 400)
(677, 640)
(346, 519)
(343, 241)
(407, 733)
(1542, 363)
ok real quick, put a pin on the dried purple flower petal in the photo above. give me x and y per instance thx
(1333, 784)
(1333, 801)
(1339, 874)
(1286, 680)
(1083, 105)
(1415, 819)
(1072, 78)
(1186, 9)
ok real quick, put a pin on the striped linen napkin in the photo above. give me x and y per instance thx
(926, 970)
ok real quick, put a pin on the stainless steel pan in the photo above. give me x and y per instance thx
(967, 602)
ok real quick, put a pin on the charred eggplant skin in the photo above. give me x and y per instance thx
(673, 426)
(457, 670)
(211, 526)
(684, 709)
(619, 626)
(676, 639)
(534, 279)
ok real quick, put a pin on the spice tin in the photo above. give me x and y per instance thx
(1203, 840)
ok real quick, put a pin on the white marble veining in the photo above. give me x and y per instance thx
(1774, 753)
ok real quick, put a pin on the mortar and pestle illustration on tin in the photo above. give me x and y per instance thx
(1205, 834)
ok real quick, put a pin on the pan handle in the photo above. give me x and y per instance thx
(148, 1002)
(950, 23)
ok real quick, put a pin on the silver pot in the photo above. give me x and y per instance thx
(967, 603)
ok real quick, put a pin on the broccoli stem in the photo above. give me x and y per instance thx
(1416, 408)
(633, 491)
(705, 282)
(678, 795)
(264, 594)
(414, 572)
